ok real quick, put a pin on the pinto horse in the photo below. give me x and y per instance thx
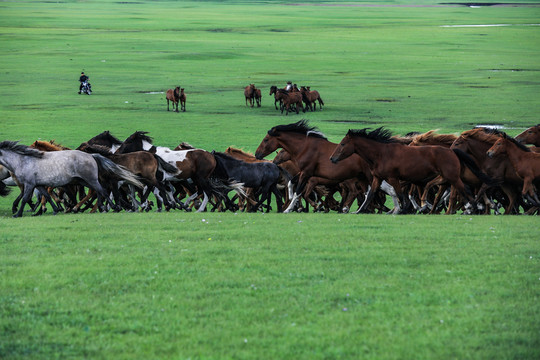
(173, 96)
(311, 150)
(394, 162)
(530, 136)
(249, 94)
(525, 162)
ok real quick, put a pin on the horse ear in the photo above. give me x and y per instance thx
(213, 152)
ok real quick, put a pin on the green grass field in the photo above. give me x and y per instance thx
(274, 286)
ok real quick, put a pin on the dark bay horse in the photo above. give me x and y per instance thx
(104, 139)
(258, 97)
(173, 96)
(530, 136)
(291, 99)
(278, 97)
(394, 162)
(525, 162)
(37, 169)
(262, 177)
(182, 100)
(311, 152)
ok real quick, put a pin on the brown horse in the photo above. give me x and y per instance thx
(182, 99)
(278, 97)
(291, 98)
(525, 162)
(476, 142)
(249, 94)
(311, 150)
(530, 136)
(309, 97)
(173, 96)
(258, 97)
(394, 162)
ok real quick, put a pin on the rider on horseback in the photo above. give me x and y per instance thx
(82, 80)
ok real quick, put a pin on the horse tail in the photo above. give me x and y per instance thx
(4, 190)
(469, 162)
(165, 166)
(108, 167)
(320, 100)
(221, 187)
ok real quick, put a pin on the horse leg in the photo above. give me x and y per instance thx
(28, 191)
(167, 104)
(375, 184)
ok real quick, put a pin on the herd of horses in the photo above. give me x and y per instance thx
(289, 99)
(480, 171)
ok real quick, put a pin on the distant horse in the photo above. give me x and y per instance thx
(525, 162)
(309, 97)
(36, 169)
(311, 152)
(182, 99)
(258, 97)
(249, 94)
(291, 98)
(263, 177)
(173, 96)
(530, 136)
(395, 162)
(278, 97)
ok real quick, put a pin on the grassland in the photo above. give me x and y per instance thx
(252, 286)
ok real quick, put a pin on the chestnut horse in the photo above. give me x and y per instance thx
(173, 96)
(291, 98)
(394, 162)
(525, 162)
(249, 94)
(311, 150)
(530, 136)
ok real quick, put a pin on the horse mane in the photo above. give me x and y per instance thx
(447, 139)
(515, 142)
(47, 146)
(140, 135)
(301, 127)
(231, 149)
(483, 134)
(96, 149)
(108, 135)
(380, 134)
(20, 149)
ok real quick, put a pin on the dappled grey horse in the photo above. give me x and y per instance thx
(37, 170)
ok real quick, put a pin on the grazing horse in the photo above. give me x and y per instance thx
(530, 136)
(173, 96)
(311, 151)
(249, 94)
(36, 169)
(309, 97)
(182, 100)
(525, 162)
(394, 162)
(291, 98)
(262, 177)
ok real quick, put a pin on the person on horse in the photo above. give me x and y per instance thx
(82, 79)
(289, 86)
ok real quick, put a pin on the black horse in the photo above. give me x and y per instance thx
(262, 177)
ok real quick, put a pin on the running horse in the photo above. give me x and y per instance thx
(104, 139)
(311, 150)
(525, 162)
(36, 170)
(309, 97)
(530, 136)
(173, 96)
(194, 164)
(394, 162)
